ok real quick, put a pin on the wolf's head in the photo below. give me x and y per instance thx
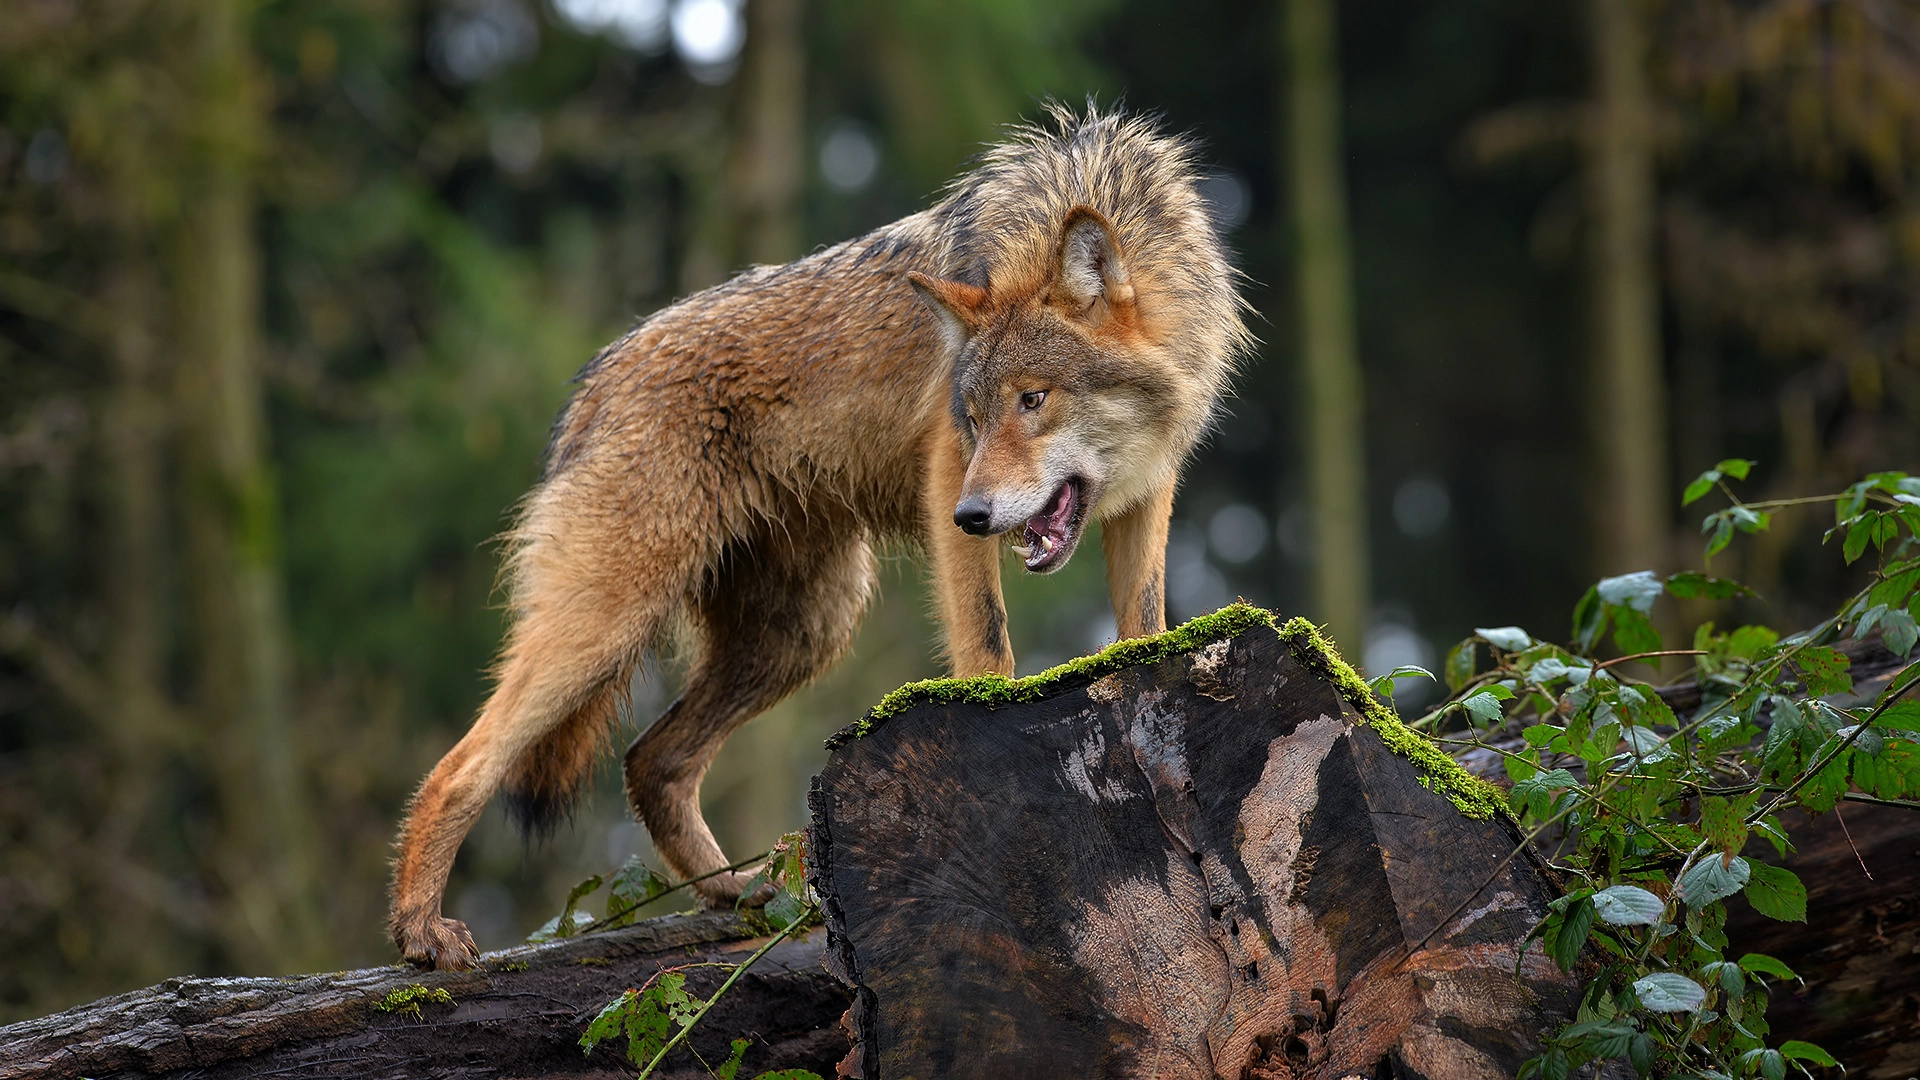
(1070, 404)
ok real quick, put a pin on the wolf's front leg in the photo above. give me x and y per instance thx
(1136, 549)
(965, 570)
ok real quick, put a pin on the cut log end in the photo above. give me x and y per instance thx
(1202, 863)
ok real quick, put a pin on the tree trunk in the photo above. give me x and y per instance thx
(1207, 865)
(1332, 409)
(520, 1015)
(230, 508)
(766, 165)
(1629, 392)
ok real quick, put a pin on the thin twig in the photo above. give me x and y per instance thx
(1844, 831)
(1645, 655)
(608, 922)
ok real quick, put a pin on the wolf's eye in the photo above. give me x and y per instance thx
(973, 425)
(1033, 399)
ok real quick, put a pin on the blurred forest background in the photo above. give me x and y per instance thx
(289, 293)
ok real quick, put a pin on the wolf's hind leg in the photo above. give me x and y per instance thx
(581, 623)
(781, 612)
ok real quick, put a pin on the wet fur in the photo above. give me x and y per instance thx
(732, 461)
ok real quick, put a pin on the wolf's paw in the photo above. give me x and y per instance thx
(730, 890)
(430, 941)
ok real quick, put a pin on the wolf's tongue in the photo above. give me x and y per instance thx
(1049, 527)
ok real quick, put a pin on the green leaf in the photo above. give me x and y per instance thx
(1749, 521)
(1692, 584)
(785, 909)
(1715, 877)
(788, 1074)
(1720, 526)
(730, 1067)
(575, 921)
(1735, 467)
(1535, 794)
(1640, 1053)
(1776, 893)
(633, 885)
(1627, 905)
(1589, 618)
(1633, 632)
(1783, 731)
(1724, 820)
(1539, 735)
(1483, 706)
(1761, 964)
(1637, 590)
(1897, 586)
(1795, 1050)
(1769, 1064)
(1859, 534)
(1748, 641)
(1666, 992)
(1505, 638)
(1899, 631)
(1699, 488)
(1727, 973)
(1825, 669)
(1902, 715)
(1383, 686)
(609, 1022)
(1575, 927)
(1459, 666)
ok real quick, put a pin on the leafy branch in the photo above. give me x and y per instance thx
(658, 1017)
(1653, 811)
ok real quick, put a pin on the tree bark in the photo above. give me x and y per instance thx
(520, 1015)
(1332, 410)
(1207, 866)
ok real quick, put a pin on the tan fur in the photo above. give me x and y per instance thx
(734, 458)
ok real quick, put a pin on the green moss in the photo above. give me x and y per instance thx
(512, 965)
(1472, 796)
(1468, 793)
(407, 999)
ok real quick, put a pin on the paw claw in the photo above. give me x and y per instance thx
(437, 943)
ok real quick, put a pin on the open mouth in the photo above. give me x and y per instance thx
(1051, 534)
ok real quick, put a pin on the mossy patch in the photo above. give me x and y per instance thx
(407, 999)
(1472, 796)
(1468, 793)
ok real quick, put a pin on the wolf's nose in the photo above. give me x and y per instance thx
(974, 514)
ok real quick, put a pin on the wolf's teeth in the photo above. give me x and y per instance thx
(1046, 544)
(1023, 551)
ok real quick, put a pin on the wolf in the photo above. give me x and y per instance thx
(1040, 349)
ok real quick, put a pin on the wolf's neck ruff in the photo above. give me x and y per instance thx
(1042, 346)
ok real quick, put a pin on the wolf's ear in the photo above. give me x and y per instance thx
(955, 303)
(1091, 268)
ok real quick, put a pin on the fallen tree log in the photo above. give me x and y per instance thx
(520, 1015)
(1210, 854)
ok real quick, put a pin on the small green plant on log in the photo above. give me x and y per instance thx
(658, 1017)
(1652, 812)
